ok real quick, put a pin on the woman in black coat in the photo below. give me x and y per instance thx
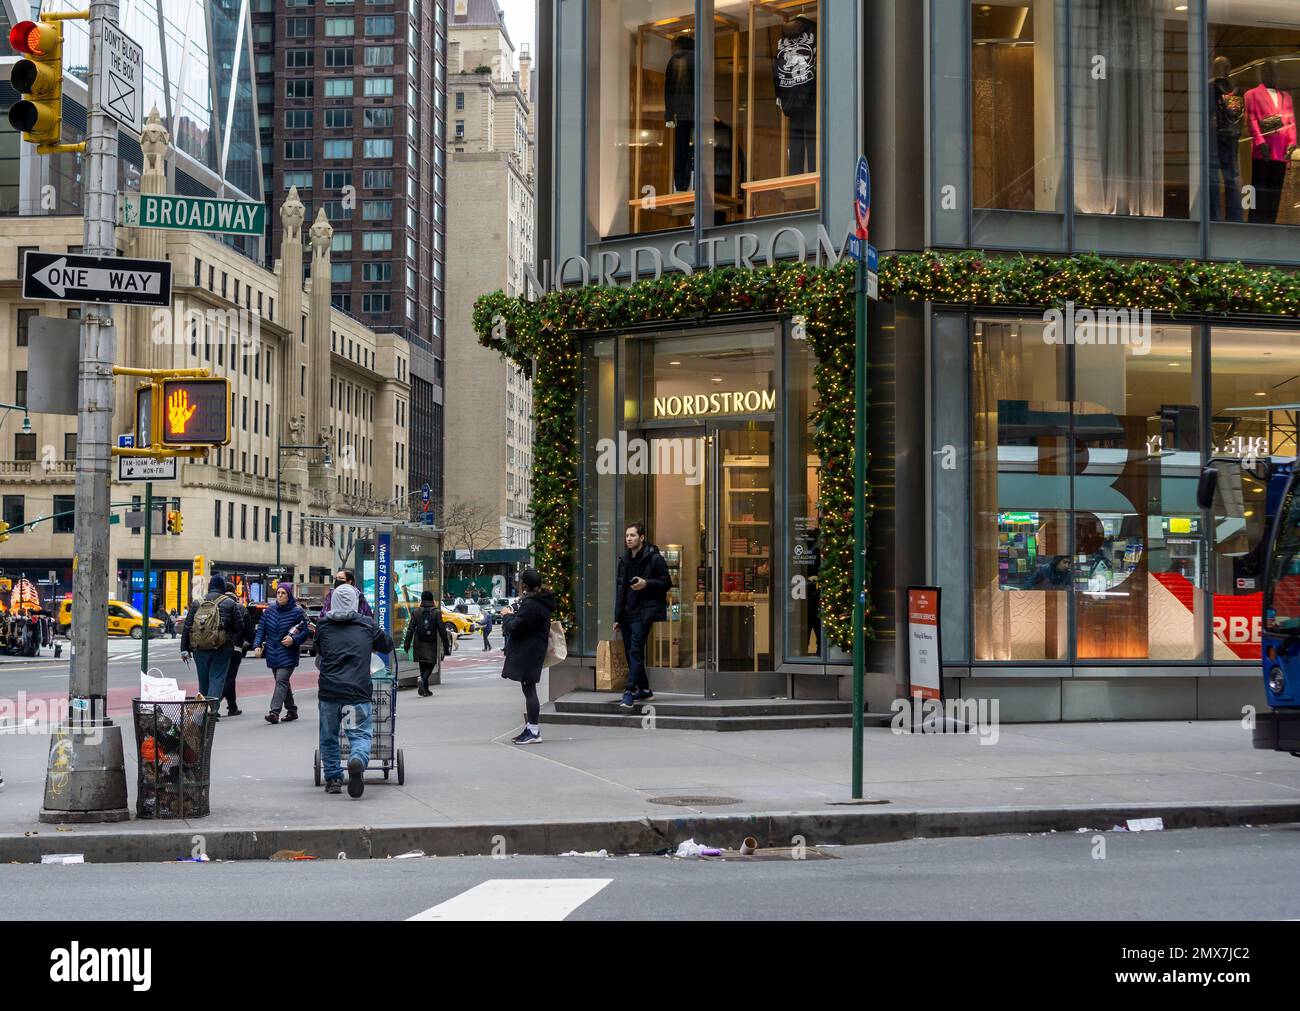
(424, 630)
(528, 633)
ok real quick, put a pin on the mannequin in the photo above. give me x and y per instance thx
(794, 72)
(723, 183)
(1270, 114)
(1227, 117)
(679, 109)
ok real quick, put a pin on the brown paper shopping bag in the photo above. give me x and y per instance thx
(611, 666)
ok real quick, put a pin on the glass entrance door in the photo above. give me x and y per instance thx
(711, 512)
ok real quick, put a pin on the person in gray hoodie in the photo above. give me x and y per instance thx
(345, 639)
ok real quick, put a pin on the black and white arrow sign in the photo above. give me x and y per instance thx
(66, 277)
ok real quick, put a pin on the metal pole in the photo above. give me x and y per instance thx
(75, 789)
(148, 593)
(859, 516)
(279, 456)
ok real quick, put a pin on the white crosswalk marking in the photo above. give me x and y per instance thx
(533, 899)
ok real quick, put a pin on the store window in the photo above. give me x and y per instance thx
(601, 541)
(1016, 115)
(767, 74)
(803, 622)
(1255, 401)
(1086, 449)
(1136, 152)
(1254, 71)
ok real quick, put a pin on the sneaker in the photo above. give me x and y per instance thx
(333, 786)
(519, 736)
(644, 694)
(356, 777)
(289, 716)
(628, 700)
(528, 737)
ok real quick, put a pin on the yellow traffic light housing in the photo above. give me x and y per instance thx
(39, 79)
(4, 532)
(175, 522)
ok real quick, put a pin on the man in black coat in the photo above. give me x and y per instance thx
(213, 661)
(345, 639)
(641, 599)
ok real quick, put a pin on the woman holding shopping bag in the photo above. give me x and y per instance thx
(528, 631)
(282, 630)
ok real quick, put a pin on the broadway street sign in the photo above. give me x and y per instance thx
(193, 214)
(65, 277)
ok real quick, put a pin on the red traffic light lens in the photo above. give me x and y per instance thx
(25, 37)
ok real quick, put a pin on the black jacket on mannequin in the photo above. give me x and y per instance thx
(679, 82)
(794, 67)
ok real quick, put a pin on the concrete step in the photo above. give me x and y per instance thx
(635, 719)
(603, 703)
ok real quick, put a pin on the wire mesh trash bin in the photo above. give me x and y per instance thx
(173, 742)
(384, 753)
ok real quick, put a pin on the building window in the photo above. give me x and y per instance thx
(299, 88)
(298, 28)
(378, 147)
(460, 101)
(377, 179)
(300, 179)
(340, 28)
(341, 273)
(338, 56)
(376, 303)
(298, 58)
(338, 87)
(342, 300)
(336, 179)
(377, 210)
(377, 271)
(378, 87)
(338, 149)
(25, 446)
(379, 56)
(341, 242)
(460, 129)
(70, 446)
(20, 383)
(381, 25)
(377, 118)
(25, 317)
(216, 518)
(243, 522)
(338, 119)
(298, 119)
(371, 242)
(65, 514)
(14, 507)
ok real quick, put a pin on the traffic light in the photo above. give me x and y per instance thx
(39, 79)
(195, 412)
(4, 532)
(175, 521)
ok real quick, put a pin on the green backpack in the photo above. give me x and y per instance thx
(207, 632)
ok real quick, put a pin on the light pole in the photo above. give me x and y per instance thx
(280, 448)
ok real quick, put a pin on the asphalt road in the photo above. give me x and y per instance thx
(1207, 874)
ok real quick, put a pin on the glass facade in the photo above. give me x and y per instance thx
(735, 101)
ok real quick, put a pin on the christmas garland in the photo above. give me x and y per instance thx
(820, 299)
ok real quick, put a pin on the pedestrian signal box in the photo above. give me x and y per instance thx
(195, 412)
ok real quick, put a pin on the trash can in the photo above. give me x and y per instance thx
(173, 742)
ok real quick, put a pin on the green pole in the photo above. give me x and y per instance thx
(859, 516)
(148, 593)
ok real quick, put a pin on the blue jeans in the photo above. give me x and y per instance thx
(213, 665)
(357, 728)
(635, 634)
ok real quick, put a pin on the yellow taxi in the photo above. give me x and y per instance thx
(457, 623)
(123, 619)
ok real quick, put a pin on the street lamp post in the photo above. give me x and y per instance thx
(280, 448)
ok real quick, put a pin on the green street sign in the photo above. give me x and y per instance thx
(192, 214)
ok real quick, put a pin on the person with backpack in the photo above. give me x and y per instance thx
(282, 630)
(212, 628)
(243, 643)
(426, 632)
(345, 640)
(529, 634)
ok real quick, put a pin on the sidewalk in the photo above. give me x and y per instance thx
(462, 770)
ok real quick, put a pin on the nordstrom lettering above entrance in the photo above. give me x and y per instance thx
(745, 250)
(696, 405)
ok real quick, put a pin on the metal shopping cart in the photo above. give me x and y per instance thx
(384, 753)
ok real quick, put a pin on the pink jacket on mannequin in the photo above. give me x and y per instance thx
(1260, 105)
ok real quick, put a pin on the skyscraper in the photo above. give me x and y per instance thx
(351, 111)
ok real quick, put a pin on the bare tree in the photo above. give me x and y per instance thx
(471, 525)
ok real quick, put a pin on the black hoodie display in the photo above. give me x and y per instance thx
(794, 67)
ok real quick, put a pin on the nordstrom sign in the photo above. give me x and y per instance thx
(745, 250)
(696, 405)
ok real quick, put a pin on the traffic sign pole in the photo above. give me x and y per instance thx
(148, 594)
(86, 776)
(862, 213)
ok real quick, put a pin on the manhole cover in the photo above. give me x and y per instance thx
(694, 801)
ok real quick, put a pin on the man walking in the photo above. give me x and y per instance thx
(345, 638)
(212, 629)
(242, 644)
(487, 629)
(642, 599)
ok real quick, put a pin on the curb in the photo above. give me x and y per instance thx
(633, 835)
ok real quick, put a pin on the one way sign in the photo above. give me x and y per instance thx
(66, 277)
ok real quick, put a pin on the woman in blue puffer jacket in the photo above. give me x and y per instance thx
(281, 631)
